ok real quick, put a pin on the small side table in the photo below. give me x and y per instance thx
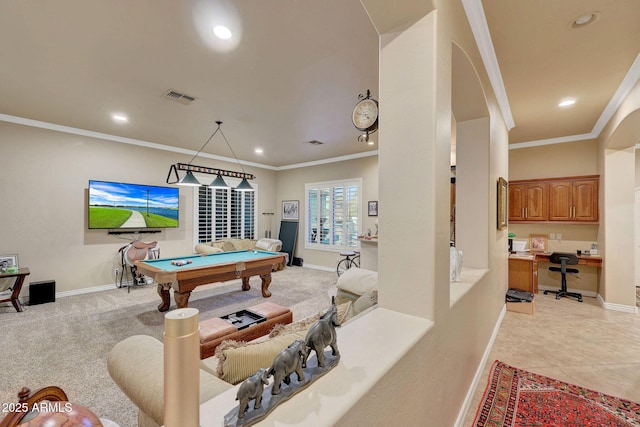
(17, 286)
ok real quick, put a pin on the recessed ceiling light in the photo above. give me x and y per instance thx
(120, 118)
(585, 19)
(258, 151)
(566, 102)
(222, 32)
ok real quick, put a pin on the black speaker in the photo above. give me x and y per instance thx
(297, 261)
(42, 292)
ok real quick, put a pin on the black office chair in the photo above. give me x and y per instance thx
(564, 259)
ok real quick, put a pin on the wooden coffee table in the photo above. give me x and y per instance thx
(215, 330)
(17, 286)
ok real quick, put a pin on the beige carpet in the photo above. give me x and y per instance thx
(66, 343)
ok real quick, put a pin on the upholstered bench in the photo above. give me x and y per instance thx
(215, 330)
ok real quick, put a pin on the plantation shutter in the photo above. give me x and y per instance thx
(205, 217)
(333, 214)
(221, 213)
(248, 214)
(224, 213)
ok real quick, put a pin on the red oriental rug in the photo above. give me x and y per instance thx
(517, 398)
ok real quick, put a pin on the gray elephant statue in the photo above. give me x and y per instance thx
(251, 389)
(286, 363)
(323, 334)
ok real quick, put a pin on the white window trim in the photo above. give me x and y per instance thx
(331, 248)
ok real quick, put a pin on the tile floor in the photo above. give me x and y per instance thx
(580, 343)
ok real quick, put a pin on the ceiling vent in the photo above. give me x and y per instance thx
(179, 97)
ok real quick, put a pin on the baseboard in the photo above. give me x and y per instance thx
(85, 290)
(25, 299)
(617, 307)
(462, 415)
(318, 267)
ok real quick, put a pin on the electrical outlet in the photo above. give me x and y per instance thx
(559, 236)
(552, 236)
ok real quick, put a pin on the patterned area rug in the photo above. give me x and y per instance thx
(517, 398)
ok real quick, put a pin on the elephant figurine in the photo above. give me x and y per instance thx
(286, 363)
(251, 389)
(323, 334)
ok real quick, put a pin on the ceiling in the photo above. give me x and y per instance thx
(544, 59)
(291, 73)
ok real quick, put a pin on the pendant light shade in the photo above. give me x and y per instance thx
(244, 186)
(189, 180)
(218, 183)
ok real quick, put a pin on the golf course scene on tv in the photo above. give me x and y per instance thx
(118, 205)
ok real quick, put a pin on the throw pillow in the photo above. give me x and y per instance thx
(228, 247)
(300, 325)
(218, 244)
(262, 244)
(365, 301)
(345, 312)
(203, 248)
(238, 360)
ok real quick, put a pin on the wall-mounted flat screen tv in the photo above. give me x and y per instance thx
(116, 205)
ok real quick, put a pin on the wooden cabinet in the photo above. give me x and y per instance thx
(528, 201)
(574, 200)
(570, 200)
(523, 273)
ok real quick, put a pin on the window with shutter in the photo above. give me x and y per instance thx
(333, 215)
(224, 212)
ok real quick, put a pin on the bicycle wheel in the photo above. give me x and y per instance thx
(343, 266)
(355, 262)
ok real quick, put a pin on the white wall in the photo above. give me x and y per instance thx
(44, 202)
(290, 185)
(617, 163)
(429, 385)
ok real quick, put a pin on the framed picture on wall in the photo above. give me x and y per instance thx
(290, 210)
(373, 208)
(538, 242)
(503, 203)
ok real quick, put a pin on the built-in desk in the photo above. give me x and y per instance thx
(592, 260)
(523, 273)
(523, 268)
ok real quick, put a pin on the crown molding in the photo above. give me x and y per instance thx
(630, 80)
(550, 141)
(131, 141)
(628, 83)
(478, 22)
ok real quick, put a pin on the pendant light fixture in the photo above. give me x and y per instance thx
(190, 180)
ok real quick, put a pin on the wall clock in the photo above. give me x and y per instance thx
(365, 114)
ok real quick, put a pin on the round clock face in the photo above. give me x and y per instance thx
(365, 114)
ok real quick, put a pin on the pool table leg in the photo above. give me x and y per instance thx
(182, 298)
(266, 281)
(245, 283)
(163, 291)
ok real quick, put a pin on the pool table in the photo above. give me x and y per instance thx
(210, 268)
